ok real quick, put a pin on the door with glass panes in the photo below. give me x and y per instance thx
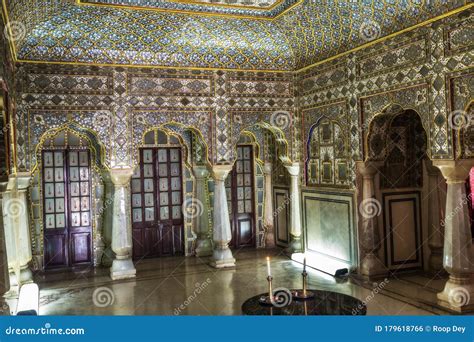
(240, 195)
(67, 207)
(157, 198)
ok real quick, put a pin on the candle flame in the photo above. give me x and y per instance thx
(268, 258)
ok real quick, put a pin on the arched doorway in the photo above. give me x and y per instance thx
(241, 194)
(264, 148)
(398, 142)
(68, 176)
(157, 197)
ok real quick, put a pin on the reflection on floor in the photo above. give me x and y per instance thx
(415, 288)
(188, 286)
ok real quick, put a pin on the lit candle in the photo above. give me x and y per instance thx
(304, 264)
(269, 271)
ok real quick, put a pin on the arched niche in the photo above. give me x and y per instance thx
(68, 136)
(328, 154)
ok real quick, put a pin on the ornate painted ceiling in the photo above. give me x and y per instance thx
(252, 8)
(71, 31)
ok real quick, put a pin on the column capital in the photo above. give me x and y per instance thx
(200, 171)
(454, 171)
(23, 179)
(220, 172)
(368, 168)
(121, 177)
(293, 169)
(267, 168)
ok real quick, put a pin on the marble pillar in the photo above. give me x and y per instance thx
(4, 274)
(201, 218)
(435, 229)
(458, 260)
(122, 265)
(296, 245)
(107, 219)
(17, 232)
(222, 234)
(369, 210)
(268, 207)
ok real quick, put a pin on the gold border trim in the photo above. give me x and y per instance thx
(196, 13)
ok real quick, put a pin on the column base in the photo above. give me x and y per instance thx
(295, 246)
(222, 258)
(269, 238)
(371, 267)
(203, 248)
(458, 294)
(122, 269)
(26, 277)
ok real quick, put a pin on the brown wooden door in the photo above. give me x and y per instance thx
(157, 198)
(67, 208)
(240, 186)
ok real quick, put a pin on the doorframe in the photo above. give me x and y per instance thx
(233, 199)
(97, 167)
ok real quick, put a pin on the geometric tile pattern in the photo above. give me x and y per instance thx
(252, 8)
(119, 104)
(64, 31)
(417, 70)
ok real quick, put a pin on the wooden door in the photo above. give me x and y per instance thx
(67, 208)
(240, 186)
(157, 198)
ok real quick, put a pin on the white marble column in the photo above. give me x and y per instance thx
(458, 260)
(201, 218)
(435, 229)
(222, 234)
(4, 274)
(17, 231)
(268, 207)
(122, 265)
(296, 231)
(369, 210)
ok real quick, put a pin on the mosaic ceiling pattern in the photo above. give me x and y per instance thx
(253, 8)
(65, 31)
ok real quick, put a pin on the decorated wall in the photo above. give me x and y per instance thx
(428, 70)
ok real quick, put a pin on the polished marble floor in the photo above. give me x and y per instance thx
(188, 286)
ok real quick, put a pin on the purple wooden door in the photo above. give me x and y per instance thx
(157, 198)
(240, 195)
(67, 208)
